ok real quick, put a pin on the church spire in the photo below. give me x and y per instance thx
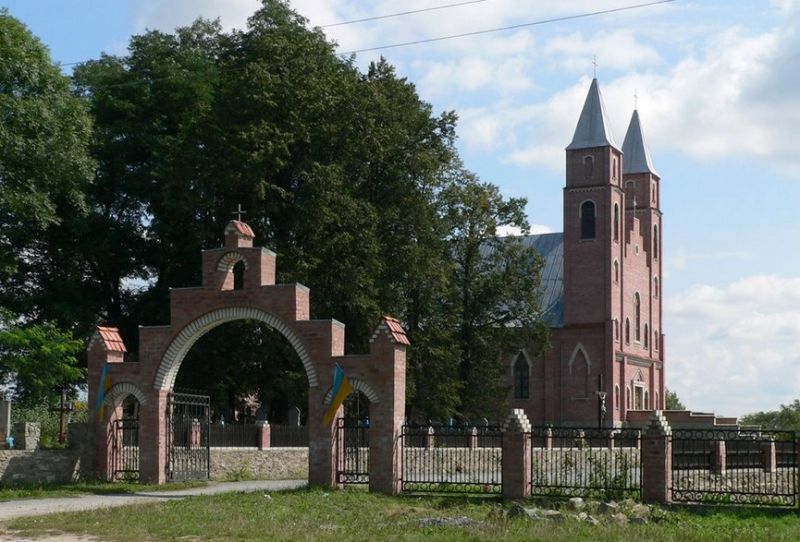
(637, 157)
(593, 129)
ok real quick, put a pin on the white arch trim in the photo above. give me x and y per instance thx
(580, 348)
(120, 391)
(522, 354)
(229, 259)
(358, 385)
(180, 346)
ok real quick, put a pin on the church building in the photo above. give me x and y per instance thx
(601, 285)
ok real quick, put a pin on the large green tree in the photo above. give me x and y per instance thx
(786, 418)
(45, 167)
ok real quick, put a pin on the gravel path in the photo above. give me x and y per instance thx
(36, 507)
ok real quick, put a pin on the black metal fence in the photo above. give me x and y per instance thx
(288, 436)
(734, 466)
(452, 459)
(585, 462)
(234, 435)
(352, 447)
(188, 437)
(125, 450)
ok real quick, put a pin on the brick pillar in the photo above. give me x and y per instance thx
(193, 436)
(325, 450)
(516, 456)
(473, 438)
(385, 448)
(153, 438)
(264, 434)
(719, 464)
(548, 439)
(656, 455)
(768, 456)
(611, 435)
(430, 440)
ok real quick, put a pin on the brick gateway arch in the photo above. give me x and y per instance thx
(239, 284)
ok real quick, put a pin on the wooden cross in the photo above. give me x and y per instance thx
(239, 212)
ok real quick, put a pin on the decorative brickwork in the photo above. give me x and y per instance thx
(380, 374)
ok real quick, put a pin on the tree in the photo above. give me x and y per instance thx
(786, 418)
(44, 162)
(38, 360)
(672, 401)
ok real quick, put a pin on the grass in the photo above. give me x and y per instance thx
(10, 492)
(357, 515)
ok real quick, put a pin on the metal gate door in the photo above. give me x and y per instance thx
(352, 452)
(188, 418)
(125, 450)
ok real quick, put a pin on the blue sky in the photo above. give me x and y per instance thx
(717, 93)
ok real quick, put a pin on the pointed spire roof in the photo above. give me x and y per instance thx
(637, 157)
(593, 129)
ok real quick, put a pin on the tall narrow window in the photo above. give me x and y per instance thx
(655, 339)
(637, 317)
(614, 168)
(655, 287)
(628, 397)
(587, 220)
(616, 272)
(238, 275)
(655, 241)
(579, 375)
(627, 331)
(616, 329)
(588, 167)
(646, 336)
(616, 397)
(616, 222)
(522, 378)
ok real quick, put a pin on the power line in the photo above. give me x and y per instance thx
(512, 27)
(377, 17)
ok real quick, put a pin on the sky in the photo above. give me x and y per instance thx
(716, 87)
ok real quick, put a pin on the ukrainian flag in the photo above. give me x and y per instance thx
(105, 385)
(341, 389)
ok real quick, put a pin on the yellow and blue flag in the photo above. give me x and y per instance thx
(341, 389)
(105, 385)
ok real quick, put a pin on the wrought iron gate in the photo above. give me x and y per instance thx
(125, 450)
(352, 448)
(188, 419)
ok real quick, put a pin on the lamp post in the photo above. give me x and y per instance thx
(601, 408)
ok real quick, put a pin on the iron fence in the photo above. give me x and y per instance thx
(234, 435)
(452, 459)
(352, 446)
(125, 450)
(734, 466)
(288, 436)
(585, 462)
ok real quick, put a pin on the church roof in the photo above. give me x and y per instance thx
(637, 157)
(593, 129)
(242, 228)
(550, 247)
(111, 339)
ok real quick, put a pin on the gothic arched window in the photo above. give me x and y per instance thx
(637, 317)
(616, 222)
(616, 397)
(646, 336)
(588, 166)
(627, 331)
(655, 287)
(587, 220)
(655, 339)
(522, 378)
(655, 241)
(579, 375)
(616, 272)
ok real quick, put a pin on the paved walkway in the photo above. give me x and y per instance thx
(37, 507)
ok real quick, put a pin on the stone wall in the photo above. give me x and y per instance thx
(39, 466)
(267, 464)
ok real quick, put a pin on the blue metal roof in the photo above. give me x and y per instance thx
(550, 247)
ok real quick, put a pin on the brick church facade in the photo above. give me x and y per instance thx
(601, 285)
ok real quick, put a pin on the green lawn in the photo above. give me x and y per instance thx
(13, 492)
(357, 515)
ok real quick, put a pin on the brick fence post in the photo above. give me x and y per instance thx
(430, 439)
(548, 438)
(719, 460)
(516, 462)
(264, 434)
(473, 438)
(768, 456)
(656, 457)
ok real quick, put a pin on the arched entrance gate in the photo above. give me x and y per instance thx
(251, 294)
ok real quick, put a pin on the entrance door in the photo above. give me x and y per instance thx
(638, 398)
(125, 449)
(188, 419)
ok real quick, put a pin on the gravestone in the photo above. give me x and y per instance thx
(5, 419)
(294, 416)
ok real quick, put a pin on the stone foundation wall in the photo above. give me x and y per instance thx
(267, 464)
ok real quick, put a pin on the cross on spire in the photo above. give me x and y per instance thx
(594, 63)
(635, 99)
(239, 212)
(634, 205)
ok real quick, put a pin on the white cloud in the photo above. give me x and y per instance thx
(734, 349)
(166, 16)
(513, 231)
